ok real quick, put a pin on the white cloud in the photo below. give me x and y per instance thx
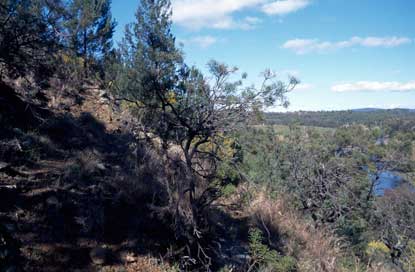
(284, 6)
(249, 23)
(204, 41)
(201, 41)
(197, 14)
(383, 42)
(374, 86)
(208, 13)
(304, 46)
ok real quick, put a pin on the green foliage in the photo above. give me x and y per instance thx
(180, 105)
(90, 28)
(178, 102)
(44, 38)
(263, 156)
(355, 228)
(409, 257)
(149, 54)
(332, 188)
(228, 190)
(267, 259)
(150, 64)
(27, 37)
(375, 247)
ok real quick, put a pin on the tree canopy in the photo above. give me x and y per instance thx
(27, 36)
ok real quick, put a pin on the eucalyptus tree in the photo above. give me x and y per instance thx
(186, 109)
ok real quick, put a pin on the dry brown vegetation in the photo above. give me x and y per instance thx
(315, 249)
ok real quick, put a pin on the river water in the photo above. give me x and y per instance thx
(389, 181)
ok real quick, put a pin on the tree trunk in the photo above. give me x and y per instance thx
(192, 182)
(85, 43)
(372, 187)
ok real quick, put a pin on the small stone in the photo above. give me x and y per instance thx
(128, 257)
(101, 166)
(102, 93)
(99, 255)
(53, 201)
(9, 187)
(103, 100)
(3, 165)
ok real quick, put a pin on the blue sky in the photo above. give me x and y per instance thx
(347, 53)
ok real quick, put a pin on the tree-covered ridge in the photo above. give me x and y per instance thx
(398, 117)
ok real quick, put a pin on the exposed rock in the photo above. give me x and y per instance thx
(3, 165)
(128, 257)
(103, 93)
(101, 166)
(53, 202)
(103, 100)
(99, 255)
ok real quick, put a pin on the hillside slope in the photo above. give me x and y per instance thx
(67, 170)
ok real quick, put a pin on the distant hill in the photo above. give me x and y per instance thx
(379, 109)
(366, 116)
(367, 109)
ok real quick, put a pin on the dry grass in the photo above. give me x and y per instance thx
(140, 264)
(315, 249)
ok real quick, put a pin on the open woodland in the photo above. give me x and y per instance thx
(128, 159)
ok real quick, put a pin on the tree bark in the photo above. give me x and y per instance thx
(85, 43)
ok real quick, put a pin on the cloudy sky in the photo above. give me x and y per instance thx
(347, 53)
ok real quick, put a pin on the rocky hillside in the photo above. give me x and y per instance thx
(70, 195)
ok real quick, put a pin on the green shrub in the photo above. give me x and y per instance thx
(266, 259)
(409, 258)
(228, 190)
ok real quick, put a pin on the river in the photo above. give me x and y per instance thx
(388, 181)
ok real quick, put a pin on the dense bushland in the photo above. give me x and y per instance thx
(402, 118)
(331, 176)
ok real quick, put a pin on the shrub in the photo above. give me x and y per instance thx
(409, 258)
(228, 190)
(266, 258)
(314, 249)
